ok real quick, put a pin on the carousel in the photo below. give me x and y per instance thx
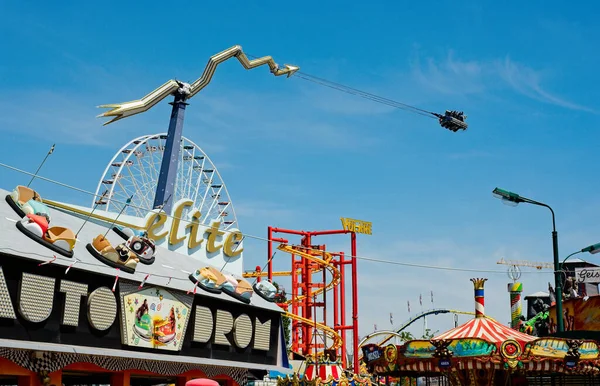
(321, 371)
(485, 352)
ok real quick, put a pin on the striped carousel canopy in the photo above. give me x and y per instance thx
(482, 327)
(324, 371)
(486, 329)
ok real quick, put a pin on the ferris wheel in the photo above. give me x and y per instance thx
(133, 172)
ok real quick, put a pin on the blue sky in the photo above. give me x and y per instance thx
(298, 155)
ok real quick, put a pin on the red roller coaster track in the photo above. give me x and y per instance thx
(304, 284)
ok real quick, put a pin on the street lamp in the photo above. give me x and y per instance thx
(592, 249)
(514, 199)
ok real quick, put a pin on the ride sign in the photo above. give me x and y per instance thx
(371, 352)
(587, 275)
(444, 363)
(357, 226)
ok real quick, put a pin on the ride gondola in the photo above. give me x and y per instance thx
(453, 120)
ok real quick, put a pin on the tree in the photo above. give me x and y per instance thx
(281, 297)
(405, 336)
(427, 335)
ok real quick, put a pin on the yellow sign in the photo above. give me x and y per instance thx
(358, 226)
(158, 220)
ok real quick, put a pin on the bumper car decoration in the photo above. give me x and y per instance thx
(164, 330)
(126, 232)
(118, 257)
(24, 201)
(143, 327)
(238, 288)
(58, 239)
(209, 279)
(143, 247)
(266, 290)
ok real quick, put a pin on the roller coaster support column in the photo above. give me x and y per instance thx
(302, 284)
(270, 254)
(336, 293)
(307, 307)
(259, 270)
(354, 292)
(342, 310)
(165, 189)
(354, 305)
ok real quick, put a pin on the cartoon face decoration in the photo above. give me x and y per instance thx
(123, 251)
(143, 247)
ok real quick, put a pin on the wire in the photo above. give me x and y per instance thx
(81, 262)
(364, 94)
(365, 258)
(359, 93)
(438, 267)
(265, 266)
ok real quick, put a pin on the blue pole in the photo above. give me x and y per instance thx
(171, 154)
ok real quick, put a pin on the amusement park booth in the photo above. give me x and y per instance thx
(107, 305)
(581, 307)
(485, 352)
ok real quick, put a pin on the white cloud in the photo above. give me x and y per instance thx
(451, 76)
(527, 81)
(458, 77)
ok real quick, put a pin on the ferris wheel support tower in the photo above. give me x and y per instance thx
(181, 91)
(168, 169)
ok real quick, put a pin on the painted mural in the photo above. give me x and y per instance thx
(155, 319)
(467, 347)
(555, 348)
(579, 314)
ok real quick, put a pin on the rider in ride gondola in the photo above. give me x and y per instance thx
(453, 120)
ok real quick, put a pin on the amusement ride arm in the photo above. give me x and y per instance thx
(123, 110)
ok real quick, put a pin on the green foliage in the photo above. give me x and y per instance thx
(287, 322)
(405, 336)
(429, 334)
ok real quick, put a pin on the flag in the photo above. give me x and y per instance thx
(391, 319)
(431, 297)
(375, 327)
(408, 302)
(420, 300)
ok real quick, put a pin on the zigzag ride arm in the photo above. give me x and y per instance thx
(127, 109)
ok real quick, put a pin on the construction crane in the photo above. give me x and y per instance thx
(525, 263)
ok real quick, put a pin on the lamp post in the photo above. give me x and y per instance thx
(592, 249)
(514, 199)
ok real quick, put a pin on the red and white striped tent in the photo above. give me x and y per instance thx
(547, 356)
(482, 327)
(487, 329)
(323, 370)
